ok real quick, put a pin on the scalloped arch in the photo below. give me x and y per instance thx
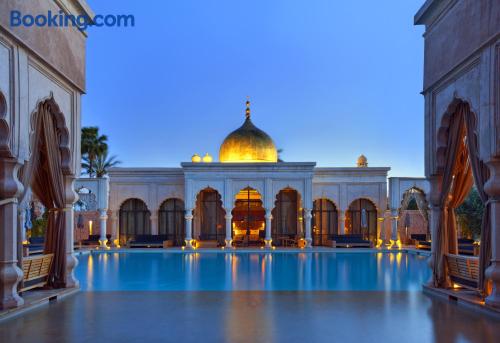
(61, 128)
(443, 131)
(4, 128)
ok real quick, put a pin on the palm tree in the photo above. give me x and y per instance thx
(92, 146)
(103, 163)
(280, 151)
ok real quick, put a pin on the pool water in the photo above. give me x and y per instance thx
(249, 271)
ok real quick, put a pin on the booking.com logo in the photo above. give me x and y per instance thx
(61, 19)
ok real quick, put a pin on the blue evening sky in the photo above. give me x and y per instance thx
(328, 79)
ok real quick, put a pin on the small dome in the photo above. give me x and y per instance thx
(207, 158)
(196, 158)
(248, 144)
(362, 161)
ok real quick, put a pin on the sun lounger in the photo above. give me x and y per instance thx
(466, 246)
(36, 271)
(463, 270)
(35, 245)
(421, 241)
(350, 241)
(147, 241)
(94, 239)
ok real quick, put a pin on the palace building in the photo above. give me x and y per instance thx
(250, 198)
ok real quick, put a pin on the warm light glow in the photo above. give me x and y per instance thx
(196, 158)
(207, 158)
(248, 144)
(398, 243)
(90, 227)
(117, 243)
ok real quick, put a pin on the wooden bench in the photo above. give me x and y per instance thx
(36, 271)
(463, 270)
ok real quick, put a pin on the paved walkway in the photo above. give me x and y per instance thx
(250, 317)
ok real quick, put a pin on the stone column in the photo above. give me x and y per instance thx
(115, 239)
(394, 228)
(22, 220)
(268, 240)
(492, 188)
(71, 261)
(103, 218)
(189, 228)
(229, 230)
(10, 274)
(380, 229)
(307, 218)
(341, 222)
(435, 211)
(153, 218)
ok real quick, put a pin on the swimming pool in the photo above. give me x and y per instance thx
(252, 271)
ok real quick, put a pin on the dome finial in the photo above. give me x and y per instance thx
(247, 111)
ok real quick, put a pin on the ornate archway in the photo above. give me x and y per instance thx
(413, 198)
(361, 219)
(248, 218)
(171, 221)
(209, 222)
(134, 219)
(324, 221)
(286, 225)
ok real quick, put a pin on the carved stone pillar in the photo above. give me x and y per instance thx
(308, 218)
(10, 274)
(435, 211)
(341, 223)
(492, 188)
(268, 240)
(189, 228)
(113, 220)
(71, 261)
(229, 231)
(394, 228)
(154, 222)
(103, 219)
(380, 229)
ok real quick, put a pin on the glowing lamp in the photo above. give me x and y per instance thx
(207, 158)
(196, 158)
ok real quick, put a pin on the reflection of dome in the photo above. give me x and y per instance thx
(248, 144)
(196, 158)
(362, 161)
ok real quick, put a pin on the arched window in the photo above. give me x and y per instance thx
(285, 223)
(361, 218)
(134, 219)
(210, 216)
(171, 220)
(248, 218)
(324, 221)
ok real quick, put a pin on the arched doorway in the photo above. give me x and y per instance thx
(324, 221)
(361, 218)
(286, 228)
(209, 217)
(171, 221)
(249, 222)
(414, 216)
(134, 219)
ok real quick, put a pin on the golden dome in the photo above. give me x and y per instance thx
(362, 161)
(248, 144)
(196, 158)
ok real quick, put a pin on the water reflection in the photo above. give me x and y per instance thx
(252, 271)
